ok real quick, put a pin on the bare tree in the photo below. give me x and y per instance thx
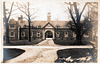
(80, 27)
(6, 20)
(26, 10)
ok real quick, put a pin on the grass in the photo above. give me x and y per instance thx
(11, 53)
(70, 42)
(23, 42)
(76, 54)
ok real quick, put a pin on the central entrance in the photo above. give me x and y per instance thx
(48, 34)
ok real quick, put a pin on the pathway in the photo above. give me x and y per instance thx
(44, 52)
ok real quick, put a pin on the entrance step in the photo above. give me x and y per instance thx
(48, 38)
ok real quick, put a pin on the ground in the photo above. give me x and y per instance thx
(40, 53)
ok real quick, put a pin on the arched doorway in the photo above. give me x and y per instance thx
(48, 34)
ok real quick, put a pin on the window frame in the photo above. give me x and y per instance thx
(86, 35)
(14, 26)
(24, 34)
(57, 34)
(74, 34)
(11, 35)
(31, 34)
(66, 34)
(38, 34)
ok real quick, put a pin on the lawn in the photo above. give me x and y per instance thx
(70, 42)
(77, 55)
(23, 42)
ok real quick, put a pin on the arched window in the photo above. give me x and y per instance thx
(38, 34)
(23, 34)
(31, 34)
(86, 35)
(57, 34)
(66, 34)
(74, 34)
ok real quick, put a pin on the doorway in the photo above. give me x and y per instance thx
(49, 34)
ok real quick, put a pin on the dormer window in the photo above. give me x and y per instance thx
(68, 26)
(57, 26)
(12, 26)
(39, 26)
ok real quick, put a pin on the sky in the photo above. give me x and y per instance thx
(55, 7)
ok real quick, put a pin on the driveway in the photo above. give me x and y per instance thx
(44, 52)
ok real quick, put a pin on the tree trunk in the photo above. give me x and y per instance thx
(78, 36)
(29, 31)
(7, 31)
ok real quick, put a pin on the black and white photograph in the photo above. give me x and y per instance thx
(50, 31)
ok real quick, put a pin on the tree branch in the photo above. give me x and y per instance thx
(85, 20)
(76, 12)
(72, 15)
(33, 14)
(22, 10)
(25, 18)
(82, 10)
(33, 18)
(10, 11)
(86, 30)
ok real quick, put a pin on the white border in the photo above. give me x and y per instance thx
(1, 29)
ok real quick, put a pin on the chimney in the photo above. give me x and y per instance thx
(20, 19)
(49, 16)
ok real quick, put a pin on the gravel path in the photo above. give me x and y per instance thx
(37, 54)
(48, 42)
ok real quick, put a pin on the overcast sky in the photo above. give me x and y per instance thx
(55, 7)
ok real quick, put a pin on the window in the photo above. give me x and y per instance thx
(12, 34)
(57, 26)
(23, 34)
(68, 26)
(38, 34)
(74, 35)
(66, 34)
(86, 35)
(31, 34)
(12, 26)
(57, 34)
(39, 26)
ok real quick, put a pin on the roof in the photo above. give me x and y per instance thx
(49, 24)
(12, 21)
(61, 24)
(52, 23)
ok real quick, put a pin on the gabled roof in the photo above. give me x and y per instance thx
(48, 24)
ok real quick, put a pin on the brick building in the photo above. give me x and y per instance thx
(18, 30)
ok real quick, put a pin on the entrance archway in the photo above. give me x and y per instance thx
(48, 34)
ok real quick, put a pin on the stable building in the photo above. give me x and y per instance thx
(59, 30)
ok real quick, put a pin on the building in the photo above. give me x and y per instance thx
(18, 30)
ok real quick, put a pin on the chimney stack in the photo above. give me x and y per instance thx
(49, 16)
